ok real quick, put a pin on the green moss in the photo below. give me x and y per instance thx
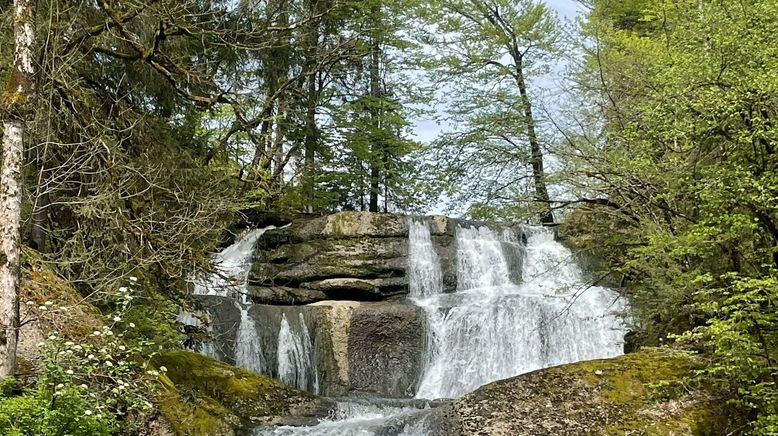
(223, 396)
(197, 416)
(41, 284)
(643, 393)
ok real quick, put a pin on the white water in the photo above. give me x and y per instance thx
(230, 279)
(295, 356)
(424, 275)
(359, 418)
(492, 329)
(231, 269)
(248, 349)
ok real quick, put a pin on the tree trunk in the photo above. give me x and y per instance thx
(282, 76)
(309, 178)
(376, 155)
(16, 110)
(536, 154)
(312, 101)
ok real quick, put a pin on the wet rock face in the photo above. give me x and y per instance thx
(386, 348)
(358, 256)
(365, 347)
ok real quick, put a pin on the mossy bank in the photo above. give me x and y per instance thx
(202, 396)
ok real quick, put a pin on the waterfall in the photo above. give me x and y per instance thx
(230, 280)
(232, 266)
(480, 260)
(294, 352)
(424, 275)
(295, 355)
(492, 328)
(518, 306)
(248, 349)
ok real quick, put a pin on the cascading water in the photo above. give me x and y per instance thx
(295, 356)
(424, 274)
(492, 329)
(230, 279)
(518, 307)
(295, 364)
(232, 267)
(248, 349)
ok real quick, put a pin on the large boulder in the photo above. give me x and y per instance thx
(345, 256)
(642, 393)
(318, 259)
(386, 346)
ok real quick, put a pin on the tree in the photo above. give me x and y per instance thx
(17, 100)
(675, 164)
(485, 52)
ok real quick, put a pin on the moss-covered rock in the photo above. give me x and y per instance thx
(203, 396)
(637, 394)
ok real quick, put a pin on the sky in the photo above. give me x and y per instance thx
(425, 130)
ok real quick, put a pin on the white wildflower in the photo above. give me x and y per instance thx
(123, 289)
(132, 325)
(60, 386)
(87, 412)
(69, 372)
(163, 369)
(117, 318)
(133, 279)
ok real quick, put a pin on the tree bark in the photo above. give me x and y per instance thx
(16, 101)
(536, 154)
(377, 151)
(312, 101)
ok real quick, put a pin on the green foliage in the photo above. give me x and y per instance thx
(741, 338)
(682, 146)
(485, 54)
(84, 389)
(96, 385)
